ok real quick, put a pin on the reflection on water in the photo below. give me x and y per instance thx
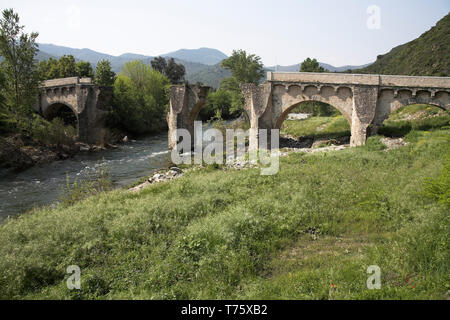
(41, 185)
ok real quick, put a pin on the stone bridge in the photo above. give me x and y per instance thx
(87, 103)
(364, 100)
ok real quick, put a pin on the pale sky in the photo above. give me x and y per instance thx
(285, 32)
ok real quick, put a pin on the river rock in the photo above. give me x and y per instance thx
(157, 177)
(178, 170)
(171, 173)
(83, 146)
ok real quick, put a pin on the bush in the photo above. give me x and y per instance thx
(52, 133)
(225, 103)
(401, 128)
(97, 182)
(140, 99)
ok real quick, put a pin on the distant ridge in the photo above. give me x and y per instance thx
(206, 56)
(117, 62)
(202, 65)
(329, 67)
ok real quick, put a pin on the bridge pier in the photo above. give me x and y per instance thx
(184, 106)
(364, 107)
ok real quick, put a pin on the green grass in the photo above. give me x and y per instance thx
(417, 111)
(217, 234)
(319, 127)
(414, 117)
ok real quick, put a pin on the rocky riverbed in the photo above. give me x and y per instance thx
(19, 152)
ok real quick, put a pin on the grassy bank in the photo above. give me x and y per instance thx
(309, 232)
(318, 127)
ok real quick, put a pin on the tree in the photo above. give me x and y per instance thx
(172, 70)
(175, 71)
(140, 99)
(104, 76)
(84, 69)
(225, 103)
(2, 93)
(244, 68)
(67, 67)
(48, 69)
(19, 66)
(159, 64)
(311, 65)
(315, 108)
(3, 111)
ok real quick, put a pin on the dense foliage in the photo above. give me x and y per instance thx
(227, 102)
(175, 72)
(244, 68)
(140, 99)
(20, 77)
(424, 56)
(19, 81)
(65, 67)
(311, 65)
(104, 75)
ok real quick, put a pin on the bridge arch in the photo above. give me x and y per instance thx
(283, 101)
(62, 110)
(390, 100)
(280, 120)
(414, 117)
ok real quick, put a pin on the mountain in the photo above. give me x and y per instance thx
(117, 62)
(41, 55)
(202, 65)
(427, 55)
(343, 68)
(210, 75)
(329, 67)
(80, 54)
(202, 55)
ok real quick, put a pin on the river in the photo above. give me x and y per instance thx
(42, 184)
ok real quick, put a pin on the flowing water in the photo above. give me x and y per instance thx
(42, 184)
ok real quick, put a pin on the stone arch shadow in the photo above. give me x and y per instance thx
(63, 110)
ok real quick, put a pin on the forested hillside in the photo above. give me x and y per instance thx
(427, 55)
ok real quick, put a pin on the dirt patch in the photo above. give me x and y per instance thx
(310, 247)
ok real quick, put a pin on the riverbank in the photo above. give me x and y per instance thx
(308, 232)
(19, 152)
(43, 184)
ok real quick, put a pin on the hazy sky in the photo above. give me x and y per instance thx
(338, 32)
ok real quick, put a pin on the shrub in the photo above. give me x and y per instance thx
(97, 182)
(140, 99)
(53, 132)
